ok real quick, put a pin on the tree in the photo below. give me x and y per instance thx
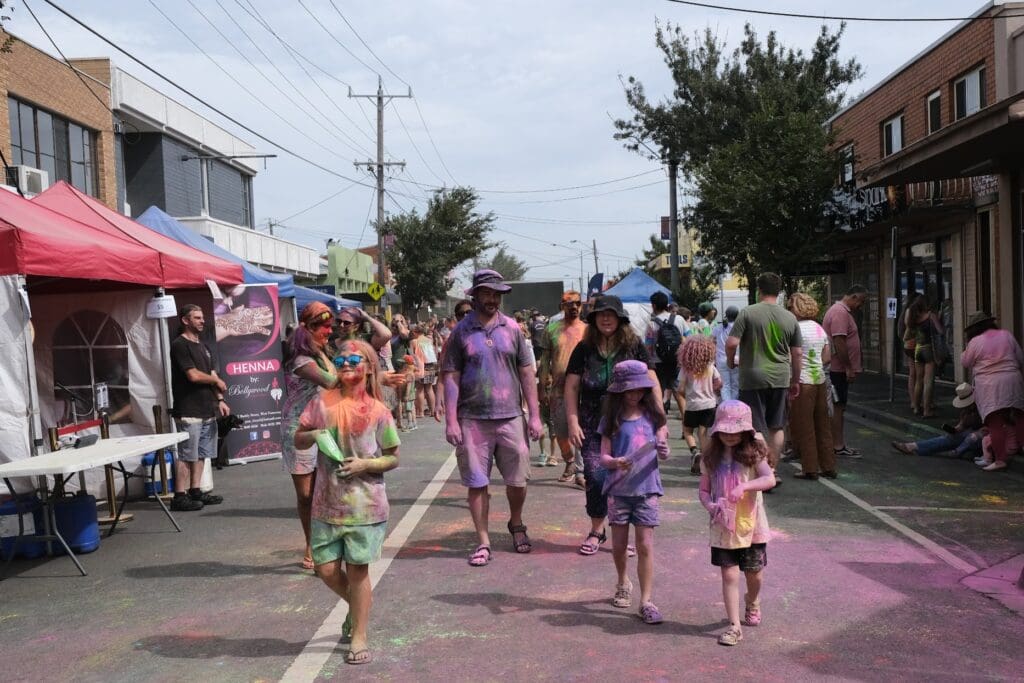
(749, 132)
(425, 250)
(509, 265)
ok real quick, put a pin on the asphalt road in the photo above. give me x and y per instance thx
(851, 592)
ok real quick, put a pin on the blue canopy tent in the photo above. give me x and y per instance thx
(635, 290)
(155, 219)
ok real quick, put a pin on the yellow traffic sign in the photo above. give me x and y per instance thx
(376, 290)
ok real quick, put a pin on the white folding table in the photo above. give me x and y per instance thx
(67, 462)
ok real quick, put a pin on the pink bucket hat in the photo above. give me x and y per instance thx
(629, 375)
(733, 417)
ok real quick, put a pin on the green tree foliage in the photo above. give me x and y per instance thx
(749, 131)
(509, 265)
(426, 249)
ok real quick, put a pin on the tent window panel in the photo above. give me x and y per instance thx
(110, 365)
(111, 335)
(68, 334)
(72, 367)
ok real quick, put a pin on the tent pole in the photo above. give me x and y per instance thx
(165, 357)
(35, 421)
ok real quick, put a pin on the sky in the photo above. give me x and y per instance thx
(511, 98)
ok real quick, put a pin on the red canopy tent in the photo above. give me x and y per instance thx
(181, 266)
(37, 241)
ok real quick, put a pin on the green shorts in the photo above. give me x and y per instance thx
(353, 543)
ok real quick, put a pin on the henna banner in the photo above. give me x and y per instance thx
(249, 347)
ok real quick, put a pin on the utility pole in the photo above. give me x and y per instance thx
(673, 225)
(596, 268)
(379, 166)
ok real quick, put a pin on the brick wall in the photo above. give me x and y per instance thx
(907, 93)
(31, 75)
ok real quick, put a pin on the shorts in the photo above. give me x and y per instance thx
(668, 376)
(429, 377)
(841, 386)
(486, 443)
(767, 407)
(752, 559)
(908, 351)
(635, 510)
(353, 543)
(559, 419)
(923, 353)
(201, 442)
(545, 415)
(699, 418)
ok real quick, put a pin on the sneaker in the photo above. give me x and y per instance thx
(650, 613)
(847, 452)
(994, 466)
(206, 498)
(622, 595)
(184, 503)
(694, 461)
(983, 461)
(731, 637)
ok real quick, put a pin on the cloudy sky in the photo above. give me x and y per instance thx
(509, 97)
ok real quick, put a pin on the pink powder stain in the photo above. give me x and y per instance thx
(779, 534)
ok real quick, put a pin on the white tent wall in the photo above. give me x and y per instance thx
(145, 363)
(639, 317)
(15, 439)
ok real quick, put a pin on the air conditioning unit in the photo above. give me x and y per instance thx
(29, 180)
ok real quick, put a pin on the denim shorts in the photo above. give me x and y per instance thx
(201, 442)
(635, 510)
(353, 543)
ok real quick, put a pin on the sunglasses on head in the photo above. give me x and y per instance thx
(353, 360)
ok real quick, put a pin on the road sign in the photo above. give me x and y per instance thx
(326, 289)
(375, 290)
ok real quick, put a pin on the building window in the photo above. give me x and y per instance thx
(983, 248)
(969, 93)
(892, 135)
(846, 169)
(934, 112)
(65, 150)
(89, 347)
(247, 201)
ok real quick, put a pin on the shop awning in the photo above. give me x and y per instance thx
(181, 266)
(37, 241)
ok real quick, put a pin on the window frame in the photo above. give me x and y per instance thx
(847, 158)
(936, 98)
(62, 160)
(976, 75)
(890, 145)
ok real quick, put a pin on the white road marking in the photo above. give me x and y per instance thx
(321, 646)
(926, 543)
(931, 509)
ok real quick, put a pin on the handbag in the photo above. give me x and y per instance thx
(940, 349)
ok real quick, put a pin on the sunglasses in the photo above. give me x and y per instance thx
(461, 314)
(574, 304)
(343, 361)
(346, 322)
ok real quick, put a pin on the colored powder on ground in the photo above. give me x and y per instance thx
(995, 500)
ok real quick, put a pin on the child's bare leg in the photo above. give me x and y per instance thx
(620, 538)
(360, 597)
(334, 576)
(702, 436)
(754, 581)
(731, 594)
(645, 561)
(688, 435)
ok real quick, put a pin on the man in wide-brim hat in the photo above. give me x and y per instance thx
(488, 370)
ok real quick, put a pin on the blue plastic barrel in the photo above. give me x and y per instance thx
(78, 523)
(29, 548)
(156, 486)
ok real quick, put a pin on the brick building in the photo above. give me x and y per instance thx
(54, 122)
(933, 156)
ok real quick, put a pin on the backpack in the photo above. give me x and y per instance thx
(668, 340)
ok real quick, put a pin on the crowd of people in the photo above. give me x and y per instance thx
(588, 383)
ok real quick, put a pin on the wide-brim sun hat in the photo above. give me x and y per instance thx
(607, 302)
(977, 318)
(964, 396)
(733, 417)
(629, 375)
(488, 279)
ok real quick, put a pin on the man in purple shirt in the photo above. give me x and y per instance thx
(488, 371)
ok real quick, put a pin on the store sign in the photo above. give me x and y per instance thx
(161, 307)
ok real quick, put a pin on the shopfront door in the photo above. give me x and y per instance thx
(926, 268)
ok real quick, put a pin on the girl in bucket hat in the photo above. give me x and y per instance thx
(734, 471)
(634, 436)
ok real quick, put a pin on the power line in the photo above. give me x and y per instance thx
(368, 48)
(195, 97)
(362, 232)
(271, 82)
(322, 201)
(826, 17)
(430, 137)
(336, 39)
(567, 221)
(572, 187)
(415, 146)
(582, 196)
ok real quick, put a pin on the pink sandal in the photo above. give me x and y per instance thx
(752, 616)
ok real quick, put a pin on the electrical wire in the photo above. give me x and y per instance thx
(398, 116)
(322, 201)
(582, 196)
(195, 97)
(567, 221)
(826, 17)
(572, 187)
(362, 232)
(336, 39)
(433, 144)
(368, 48)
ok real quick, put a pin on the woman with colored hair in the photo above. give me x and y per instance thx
(307, 367)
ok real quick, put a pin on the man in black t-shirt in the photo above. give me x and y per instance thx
(198, 402)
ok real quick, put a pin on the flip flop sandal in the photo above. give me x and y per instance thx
(481, 557)
(307, 563)
(588, 548)
(524, 546)
(358, 657)
(346, 629)
(568, 475)
(650, 613)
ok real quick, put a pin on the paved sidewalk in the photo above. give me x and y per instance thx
(869, 398)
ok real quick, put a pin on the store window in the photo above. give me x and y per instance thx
(89, 347)
(926, 268)
(65, 150)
